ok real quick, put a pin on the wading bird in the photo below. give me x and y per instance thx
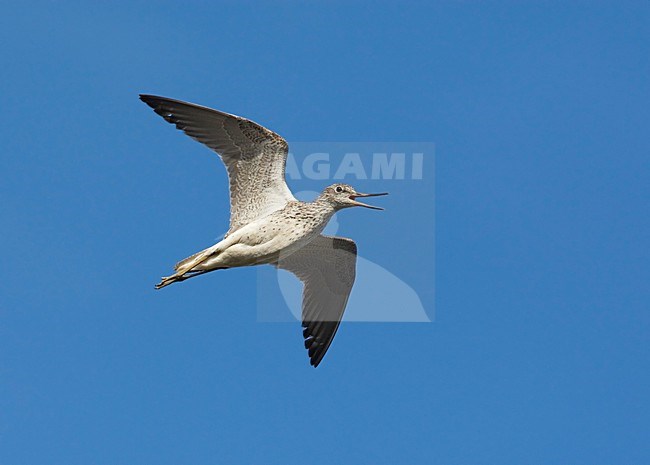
(267, 224)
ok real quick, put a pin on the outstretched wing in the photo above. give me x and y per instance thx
(254, 156)
(326, 266)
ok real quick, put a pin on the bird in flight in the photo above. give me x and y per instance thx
(267, 224)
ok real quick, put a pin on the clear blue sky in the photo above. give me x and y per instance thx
(539, 349)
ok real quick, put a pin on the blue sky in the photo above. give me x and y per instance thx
(539, 348)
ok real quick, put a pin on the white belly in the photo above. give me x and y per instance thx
(259, 243)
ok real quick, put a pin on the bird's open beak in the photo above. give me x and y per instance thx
(361, 204)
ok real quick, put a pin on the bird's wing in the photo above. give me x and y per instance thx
(326, 266)
(254, 156)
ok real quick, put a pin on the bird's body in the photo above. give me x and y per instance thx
(267, 239)
(267, 224)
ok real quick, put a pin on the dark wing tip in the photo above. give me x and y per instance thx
(316, 347)
(315, 359)
(157, 103)
(151, 100)
(164, 107)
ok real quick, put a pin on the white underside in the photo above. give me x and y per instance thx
(248, 246)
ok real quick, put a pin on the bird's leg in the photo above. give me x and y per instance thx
(166, 281)
(185, 269)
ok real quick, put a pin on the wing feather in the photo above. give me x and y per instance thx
(255, 157)
(326, 266)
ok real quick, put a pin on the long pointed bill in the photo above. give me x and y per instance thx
(361, 204)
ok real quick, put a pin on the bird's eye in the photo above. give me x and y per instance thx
(339, 189)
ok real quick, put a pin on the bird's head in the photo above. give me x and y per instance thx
(344, 196)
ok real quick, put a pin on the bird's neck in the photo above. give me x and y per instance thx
(325, 207)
